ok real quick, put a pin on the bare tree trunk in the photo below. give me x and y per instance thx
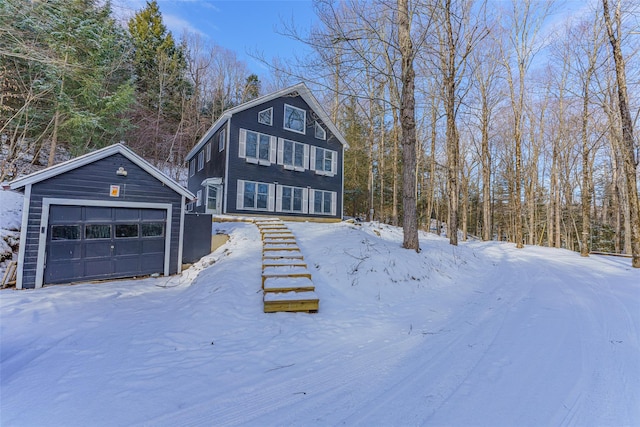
(629, 161)
(408, 122)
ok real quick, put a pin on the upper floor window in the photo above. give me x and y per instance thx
(323, 161)
(192, 167)
(295, 119)
(257, 147)
(266, 116)
(199, 198)
(221, 141)
(208, 152)
(293, 155)
(201, 160)
(320, 132)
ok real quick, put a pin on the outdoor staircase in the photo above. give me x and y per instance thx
(286, 281)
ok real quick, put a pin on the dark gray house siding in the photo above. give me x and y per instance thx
(90, 184)
(236, 169)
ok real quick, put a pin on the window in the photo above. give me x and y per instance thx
(221, 141)
(324, 162)
(126, 230)
(293, 155)
(201, 160)
(199, 198)
(266, 116)
(291, 199)
(192, 167)
(212, 197)
(322, 202)
(257, 147)
(65, 232)
(97, 231)
(320, 132)
(153, 229)
(208, 152)
(255, 196)
(295, 119)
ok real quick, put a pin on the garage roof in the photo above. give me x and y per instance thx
(95, 156)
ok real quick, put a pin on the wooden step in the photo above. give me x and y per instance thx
(283, 262)
(280, 247)
(275, 241)
(282, 254)
(291, 302)
(278, 235)
(287, 271)
(288, 284)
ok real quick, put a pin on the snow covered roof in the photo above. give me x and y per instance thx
(77, 162)
(300, 88)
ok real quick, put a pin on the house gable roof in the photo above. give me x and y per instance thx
(300, 88)
(94, 156)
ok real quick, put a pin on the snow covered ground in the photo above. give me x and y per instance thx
(480, 334)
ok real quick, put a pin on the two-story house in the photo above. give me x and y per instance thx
(277, 155)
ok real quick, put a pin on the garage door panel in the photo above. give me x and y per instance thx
(151, 264)
(97, 249)
(65, 250)
(128, 265)
(127, 247)
(153, 214)
(65, 213)
(98, 213)
(152, 246)
(126, 214)
(97, 268)
(60, 273)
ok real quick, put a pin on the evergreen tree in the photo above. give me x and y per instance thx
(161, 84)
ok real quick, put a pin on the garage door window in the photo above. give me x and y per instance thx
(126, 230)
(97, 231)
(65, 232)
(155, 229)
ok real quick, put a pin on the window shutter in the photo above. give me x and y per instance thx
(280, 151)
(273, 146)
(240, 195)
(278, 198)
(270, 202)
(334, 199)
(334, 162)
(242, 144)
(312, 196)
(305, 200)
(305, 164)
(312, 164)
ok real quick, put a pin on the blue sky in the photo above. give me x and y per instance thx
(243, 26)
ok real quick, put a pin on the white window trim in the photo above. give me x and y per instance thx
(200, 160)
(221, 141)
(312, 199)
(334, 162)
(305, 199)
(270, 117)
(209, 152)
(199, 198)
(304, 122)
(192, 167)
(242, 148)
(305, 159)
(317, 128)
(270, 196)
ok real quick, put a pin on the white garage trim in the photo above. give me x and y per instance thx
(23, 234)
(44, 222)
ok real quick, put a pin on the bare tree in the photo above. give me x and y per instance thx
(630, 162)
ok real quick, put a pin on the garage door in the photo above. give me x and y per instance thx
(93, 242)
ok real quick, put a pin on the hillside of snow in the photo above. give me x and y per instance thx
(479, 334)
